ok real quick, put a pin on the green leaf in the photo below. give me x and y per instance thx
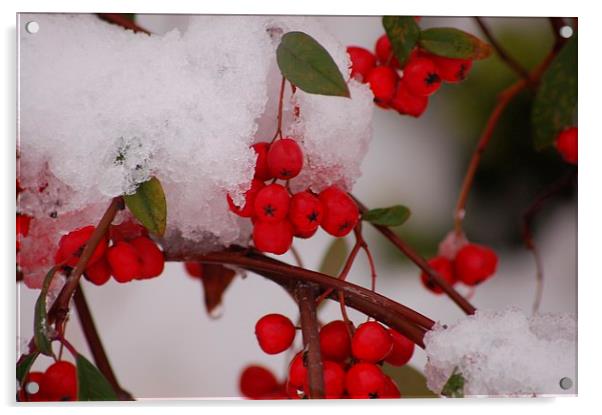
(411, 382)
(335, 257)
(92, 385)
(24, 365)
(454, 387)
(453, 43)
(148, 205)
(40, 319)
(306, 64)
(555, 104)
(390, 216)
(403, 32)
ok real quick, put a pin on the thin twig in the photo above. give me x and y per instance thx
(121, 20)
(280, 105)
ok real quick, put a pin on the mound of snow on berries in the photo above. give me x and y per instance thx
(505, 353)
(102, 109)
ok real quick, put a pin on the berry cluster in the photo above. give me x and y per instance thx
(566, 144)
(277, 214)
(421, 76)
(57, 383)
(127, 253)
(351, 363)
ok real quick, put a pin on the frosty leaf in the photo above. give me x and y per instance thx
(403, 32)
(216, 279)
(411, 382)
(24, 365)
(390, 216)
(92, 385)
(148, 205)
(453, 43)
(40, 322)
(454, 387)
(555, 104)
(335, 257)
(306, 64)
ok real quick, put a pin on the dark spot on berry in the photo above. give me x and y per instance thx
(432, 78)
(269, 210)
(313, 216)
(286, 173)
(345, 225)
(373, 395)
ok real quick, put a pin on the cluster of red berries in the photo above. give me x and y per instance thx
(471, 265)
(57, 383)
(127, 253)
(351, 363)
(277, 214)
(421, 76)
(566, 144)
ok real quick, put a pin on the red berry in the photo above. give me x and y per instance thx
(362, 62)
(389, 389)
(271, 203)
(340, 211)
(262, 170)
(384, 52)
(99, 272)
(246, 211)
(452, 70)
(59, 382)
(293, 392)
(22, 228)
(32, 388)
(403, 349)
(275, 238)
(383, 81)
(404, 102)
(126, 231)
(150, 257)
(334, 381)
(304, 235)
(275, 333)
(72, 245)
(566, 144)
(124, 262)
(444, 268)
(256, 381)
(194, 269)
(305, 213)
(297, 371)
(285, 159)
(371, 342)
(364, 380)
(335, 342)
(475, 263)
(421, 76)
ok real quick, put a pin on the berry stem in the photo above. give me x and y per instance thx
(306, 298)
(120, 20)
(297, 256)
(280, 105)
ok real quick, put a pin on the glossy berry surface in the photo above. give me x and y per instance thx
(404, 102)
(59, 382)
(362, 62)
(421, 76)
(364, 380)
(444, 267)
(389, 389)
(71, 247)
(275, 238)
(371, 342)
(194, 269)
(262, 170)
(566, 144)
(123, 259)
(452, 70)
(334, 381)
(384, 52)
(382, 81)
(150, 257)
(475, 263)
(257, 381)
(32, 388)
(305, 213)
(272, 203)
(285, 159)
(335, 342)
(297, 371)
(275, 333)
(402, 350)
(98, 273)
(340, 211)
(247, 209)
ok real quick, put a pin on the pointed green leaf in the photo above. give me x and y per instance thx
(454, 387)
(24, 366)
(390, 216)
(92, 385)
(411, 382)
(306, 64)
(555, 105)
(453, 43)
(40, 319)
(335, 257)
(148, 205)
(403, 32)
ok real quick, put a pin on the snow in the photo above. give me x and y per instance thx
(102, 109)
(505, 353)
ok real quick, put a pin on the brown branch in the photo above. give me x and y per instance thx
(95, 344)
(123, 21)
(306, 298)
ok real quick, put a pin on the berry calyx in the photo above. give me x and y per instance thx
(272, 203)
(444, 267)
(384, 52)
(334, 380)
(452, 70)
(257, 381)
(364, 380)
(285, 159)
(59, 382)
(297, 371)
(382, 81)
(275, 333)
(247, 210)
(475, 263)
(371, 342)
(362, 62)
(402, 351)
(421, 76)
(123, 259)
(99, 272)
(275, 238)
(72, 245)
(305, 213)
(340, 211)
(150, 257)
(194, 269)
(335, 342)
(262, 170)
(32, 388)
(404, 102)
(566, 144)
